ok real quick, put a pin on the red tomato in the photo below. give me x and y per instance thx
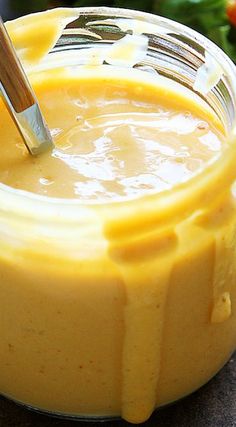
(231, 11)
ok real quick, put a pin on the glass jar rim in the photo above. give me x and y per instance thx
(187, 195)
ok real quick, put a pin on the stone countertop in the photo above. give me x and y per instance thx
(214, 405)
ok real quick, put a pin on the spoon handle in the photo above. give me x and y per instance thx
(20, 99)
(12, 76)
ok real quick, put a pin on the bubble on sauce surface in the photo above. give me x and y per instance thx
(203, 125)
(46, 181)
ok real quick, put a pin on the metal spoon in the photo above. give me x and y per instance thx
(20, 98)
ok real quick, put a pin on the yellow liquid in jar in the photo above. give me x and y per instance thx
(114, 139)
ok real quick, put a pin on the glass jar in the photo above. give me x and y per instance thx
(115, 309)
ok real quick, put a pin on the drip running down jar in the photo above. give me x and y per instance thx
(113, 306)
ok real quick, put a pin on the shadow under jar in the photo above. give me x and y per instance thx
(115, 309)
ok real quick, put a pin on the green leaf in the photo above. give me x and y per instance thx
(199, 14)
(134, 4)
(206, 16)
(26, 6)
(83, 3)
(221, 36)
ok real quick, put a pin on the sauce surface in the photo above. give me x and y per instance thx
(114, 139)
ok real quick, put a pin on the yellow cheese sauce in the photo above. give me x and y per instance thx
(120, 300)
(114, 139)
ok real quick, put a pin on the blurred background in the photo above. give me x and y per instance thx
(216, 19)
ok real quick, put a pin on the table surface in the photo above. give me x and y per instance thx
(214, 405)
